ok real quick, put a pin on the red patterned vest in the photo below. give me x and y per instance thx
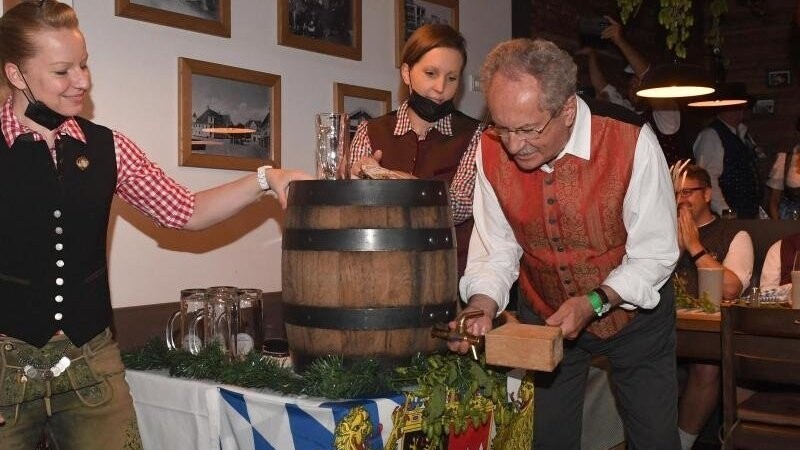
(569, 222)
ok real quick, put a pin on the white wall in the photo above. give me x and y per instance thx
(134, 67)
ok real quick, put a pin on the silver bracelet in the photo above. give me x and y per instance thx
(261, 175)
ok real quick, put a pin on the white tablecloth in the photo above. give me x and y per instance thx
(176, 413)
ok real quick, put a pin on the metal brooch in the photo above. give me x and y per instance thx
(82, 162)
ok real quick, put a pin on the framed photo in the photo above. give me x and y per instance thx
(8, 4)
(229, 118)
(778, 78)
(202, 16)
(764, 106)
(412, 14)
(332, 27)
(360, 103)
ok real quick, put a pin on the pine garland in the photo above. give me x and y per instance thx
(326, 377)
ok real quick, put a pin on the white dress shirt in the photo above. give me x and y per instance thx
(739, 258)
(777, 175)
(771, 272)
(649, 216)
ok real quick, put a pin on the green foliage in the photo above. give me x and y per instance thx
(328, 377)
(717, 8)
(683, 300)
(460, 391)
(628, 9)
(677, 18)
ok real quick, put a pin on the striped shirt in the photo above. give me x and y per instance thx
(464, 181)
(140, 182)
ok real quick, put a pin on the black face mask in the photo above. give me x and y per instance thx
(427, 109)
(43, 115)
(39, 112)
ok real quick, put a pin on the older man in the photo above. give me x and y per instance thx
(706, 242)
(578, 202)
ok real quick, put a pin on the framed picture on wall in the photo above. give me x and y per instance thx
(332, 27)
(778, 78)
(412, 14)
(229, 118)
(764, 106)
(202, 16)
(360, 103)
(8, 4)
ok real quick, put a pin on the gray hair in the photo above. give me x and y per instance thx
(553, 67)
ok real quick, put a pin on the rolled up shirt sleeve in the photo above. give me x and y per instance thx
(493, 261)
(142, 184)
(650, 218)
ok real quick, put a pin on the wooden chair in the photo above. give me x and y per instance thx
(761, 346)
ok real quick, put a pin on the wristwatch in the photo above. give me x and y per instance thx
(261, 175)
(599, 300)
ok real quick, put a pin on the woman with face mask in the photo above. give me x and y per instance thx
(426, 136)
(60, 368)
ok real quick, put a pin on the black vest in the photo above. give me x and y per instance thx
(53, 272)
(437, 157)
(716, 238)
(739, 179)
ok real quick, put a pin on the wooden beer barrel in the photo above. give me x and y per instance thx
(369, 266)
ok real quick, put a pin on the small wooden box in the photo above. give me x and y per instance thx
(532, 347)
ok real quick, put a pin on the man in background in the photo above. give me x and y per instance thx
(705, 241)
(729, 154)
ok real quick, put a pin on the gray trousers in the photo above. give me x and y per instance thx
(642, 359)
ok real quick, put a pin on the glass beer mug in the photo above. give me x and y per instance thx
(333, 146)
(249, 333)
(192, 309)
(219, 323)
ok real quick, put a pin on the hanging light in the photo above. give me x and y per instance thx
(726, 94)
(675, 80)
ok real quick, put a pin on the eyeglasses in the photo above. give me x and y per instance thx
(685, 192)
(523, 133)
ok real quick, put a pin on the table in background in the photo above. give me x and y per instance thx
(698, 335)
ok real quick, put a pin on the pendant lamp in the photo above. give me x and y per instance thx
(675, 80)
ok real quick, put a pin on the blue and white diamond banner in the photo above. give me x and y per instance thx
(264, 421)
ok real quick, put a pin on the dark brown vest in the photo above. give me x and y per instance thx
(790, 248)
(436, 157)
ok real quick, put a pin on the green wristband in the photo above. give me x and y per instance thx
(596, 302)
